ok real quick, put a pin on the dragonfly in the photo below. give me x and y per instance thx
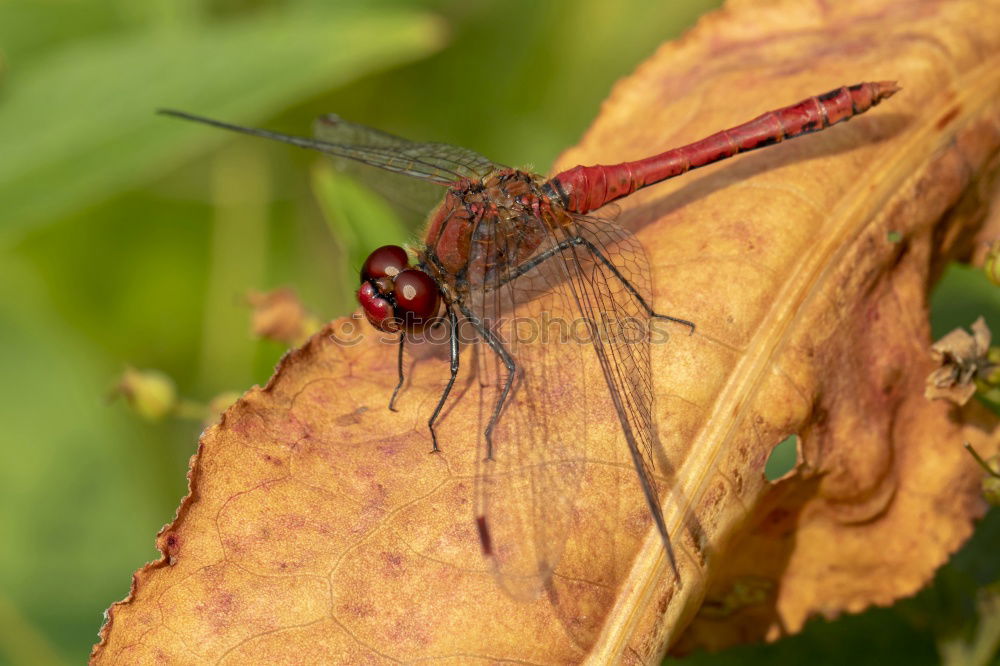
(505, 246)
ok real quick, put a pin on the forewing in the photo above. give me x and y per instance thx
(527, 486)
(410, 175)
(609, 274)
(437, 162)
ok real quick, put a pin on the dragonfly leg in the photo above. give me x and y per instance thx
(508, 361)
(453, 322)
(511, 371)
(578, 241)
(399, 367)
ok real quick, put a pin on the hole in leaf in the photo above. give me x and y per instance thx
(782, 458)
(894, 236)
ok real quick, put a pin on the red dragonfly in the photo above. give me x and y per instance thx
(505, 242)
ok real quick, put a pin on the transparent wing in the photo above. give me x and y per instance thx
(409, 174)
(610, 277)
(437, 162)
(575, 309)
(527, 485)
(433, 164)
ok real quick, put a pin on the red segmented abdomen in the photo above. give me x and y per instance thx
(583, 189)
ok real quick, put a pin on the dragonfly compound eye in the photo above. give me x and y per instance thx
(378, 309)
(408, 298)
(418, 298)
(386, 261)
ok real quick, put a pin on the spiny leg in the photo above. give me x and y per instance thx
(508, 362)
(399, 367)
(577, 241)
(646, 481)
(453, 322)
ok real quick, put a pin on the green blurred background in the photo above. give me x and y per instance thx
(130, 239)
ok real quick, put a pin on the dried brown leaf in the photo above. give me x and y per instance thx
(961, 355)
(319, 529)
(279, 315)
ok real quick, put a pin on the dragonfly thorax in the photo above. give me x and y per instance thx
(483, 225)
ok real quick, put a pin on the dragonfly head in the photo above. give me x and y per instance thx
(394, 295)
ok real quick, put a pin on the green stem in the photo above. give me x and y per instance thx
(982, 463)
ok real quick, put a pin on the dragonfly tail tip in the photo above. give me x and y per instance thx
(886, 89)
